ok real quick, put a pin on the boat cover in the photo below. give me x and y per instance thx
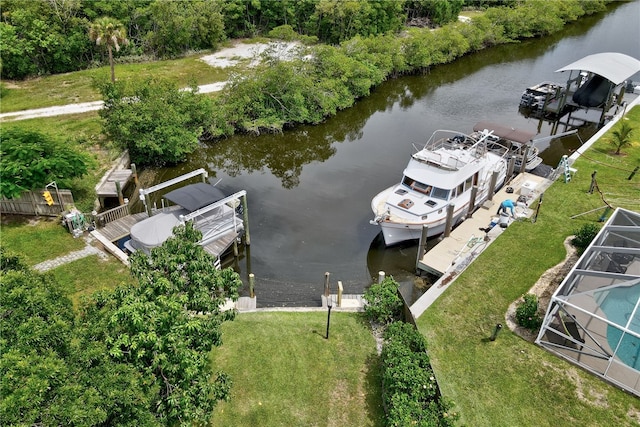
(511, 134)
(155, 230)
(195, 196)
(613, 66)
(593, 93)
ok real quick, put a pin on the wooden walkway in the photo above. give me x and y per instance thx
(119, 228)
(220, 245)
(108, 187)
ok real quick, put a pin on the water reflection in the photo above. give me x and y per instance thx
(283, 157)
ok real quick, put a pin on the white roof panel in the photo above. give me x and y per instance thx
(613, 66)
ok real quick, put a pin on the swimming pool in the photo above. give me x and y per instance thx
(618, 306)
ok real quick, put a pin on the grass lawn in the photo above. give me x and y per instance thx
(39, 240)
(79, 86)
(511, 382)
(91, 274)
(285, 373)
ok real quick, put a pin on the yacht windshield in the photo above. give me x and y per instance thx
(429, 190)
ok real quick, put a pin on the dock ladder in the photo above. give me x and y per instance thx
(568, 171)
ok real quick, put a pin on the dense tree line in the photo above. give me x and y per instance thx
(317, 82)
(136, 356)
(51, 36)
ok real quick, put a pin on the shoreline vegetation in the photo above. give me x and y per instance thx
(508, 382)
(322, 80)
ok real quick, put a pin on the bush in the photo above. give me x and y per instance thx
(410, 391)
(584, 236)
(527, 312)
(384, 304)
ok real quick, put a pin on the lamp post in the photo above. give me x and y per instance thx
(329, 305)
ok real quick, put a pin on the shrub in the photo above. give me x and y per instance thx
(384, 304)
(527, 312)
(584, 236)
(410, 390)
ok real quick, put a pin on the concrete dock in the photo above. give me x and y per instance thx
(451, 255)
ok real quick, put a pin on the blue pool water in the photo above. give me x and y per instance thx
(618, 306)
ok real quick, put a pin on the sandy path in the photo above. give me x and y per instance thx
(226, 57)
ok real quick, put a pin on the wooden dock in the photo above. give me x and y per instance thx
(222, 244)
(119, 228)
(466, 239)
(108, 187)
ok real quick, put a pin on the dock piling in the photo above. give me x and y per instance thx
(134, 171)
(422, 245)
(119, 191)
(492, 185)
(511, 166)
(472, 201)
(449, 224)
(326, 284)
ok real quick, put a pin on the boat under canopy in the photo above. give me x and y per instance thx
(195, 196)
(516, 135)
(203, 203)
(613, 66)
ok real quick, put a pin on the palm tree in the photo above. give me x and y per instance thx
(622, 136)
(111, 32)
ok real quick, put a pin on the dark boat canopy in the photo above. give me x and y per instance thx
(195, 196)
(613, 66)
(511, 134)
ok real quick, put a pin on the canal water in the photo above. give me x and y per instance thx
(309, 189)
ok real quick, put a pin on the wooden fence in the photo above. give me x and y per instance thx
(33, 203)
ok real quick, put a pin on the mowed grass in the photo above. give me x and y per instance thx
(90, 274)
(80, 86)
(37, 240)
(512, 382)
(42, 239)
(285, 373)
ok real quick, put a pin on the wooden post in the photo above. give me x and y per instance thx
(422, 245)
(326, 284)
(492, 185)
(472, 201)
(145, 201)
(523, 165)
(119, 191)
(245, 219)
(135, 174)
(252, 280)
(340, 293)
(593, 182)
(511, 166)
(449, 224)
(381, 275)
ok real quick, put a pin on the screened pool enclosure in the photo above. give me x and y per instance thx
(593, 319)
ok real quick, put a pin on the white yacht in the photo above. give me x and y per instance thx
(442, 173)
